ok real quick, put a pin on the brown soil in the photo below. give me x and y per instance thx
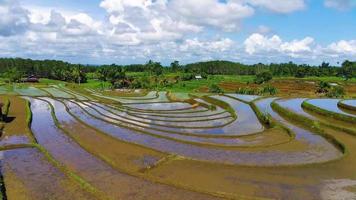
(16, 125)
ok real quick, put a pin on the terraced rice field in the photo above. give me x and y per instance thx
(61, 144)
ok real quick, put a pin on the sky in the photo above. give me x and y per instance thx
(135, 31)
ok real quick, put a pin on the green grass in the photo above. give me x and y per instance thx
(316, 78)
(311, 107)
(96, 84)
(50, 81)
(309, 124)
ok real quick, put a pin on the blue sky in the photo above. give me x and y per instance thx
(134, 31)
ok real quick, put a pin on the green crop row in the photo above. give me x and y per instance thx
(327, 113)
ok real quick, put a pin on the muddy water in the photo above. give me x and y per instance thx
(58, 93)
(127, 156)
(161, 98)
(30, 91)
(162, 125)
(166, 107)
(271, 156)
(163, 116)
(246, 123)
(149, 95)
(75, 94)
(14, 140)
(316, 143)
(259, 140)
(94, 171)
(29, 175)
(247, 98)
(351, 103)
(304, 182)
(295, 105)
(329, 105)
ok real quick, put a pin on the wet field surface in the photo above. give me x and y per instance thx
(151, 148)
(329, 105)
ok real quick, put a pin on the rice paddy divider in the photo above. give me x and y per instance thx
(331, 125)
(327, 113)
(138, 174)
(345, 106)
(265, 119)
(221, 104)
(168, 131)
(161, 125)
(161, 136)
(310, 124)
(84, 184)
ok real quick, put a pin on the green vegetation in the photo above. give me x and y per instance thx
(309, 124)
(328, 90)
(327, 113)
(215, 89)
(263, 77)
(265, 90)
(4, 109)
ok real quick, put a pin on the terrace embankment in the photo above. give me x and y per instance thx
(16, 130)
(94, 171)
(176, 150)
(29, 175)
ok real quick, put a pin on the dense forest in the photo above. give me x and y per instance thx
(16, 68)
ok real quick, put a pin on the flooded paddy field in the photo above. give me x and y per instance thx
(57, 143)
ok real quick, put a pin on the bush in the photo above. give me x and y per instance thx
(323, 87)
(187, 77)
(269, 89)
(249, 91)
(215, 89)
(263, 77)
(336, 92)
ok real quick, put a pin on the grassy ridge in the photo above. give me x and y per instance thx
(222, 104)
(309, 124)
(345, 106)
(327, 113)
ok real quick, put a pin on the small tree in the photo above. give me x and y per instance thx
(263, 77)
(13, 74)
(348, 69)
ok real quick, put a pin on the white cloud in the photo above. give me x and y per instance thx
(260, 44)
(14, 19)
(279, 6)
(212, 12)
(216, 46)
(340, 4)
(138, 30)
(343, 47)
(298, 46)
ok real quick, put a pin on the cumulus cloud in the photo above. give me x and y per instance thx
(138, 30)
(226, 15)
(343, 47)
(258, 43)
(14, 19)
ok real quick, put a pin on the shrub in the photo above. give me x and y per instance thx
(263, 77)
(336, 92)
(249, 91)
(187, 77)
(323, 87)
(269, 89)
(215, 89)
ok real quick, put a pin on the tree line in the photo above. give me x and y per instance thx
(16, 68)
